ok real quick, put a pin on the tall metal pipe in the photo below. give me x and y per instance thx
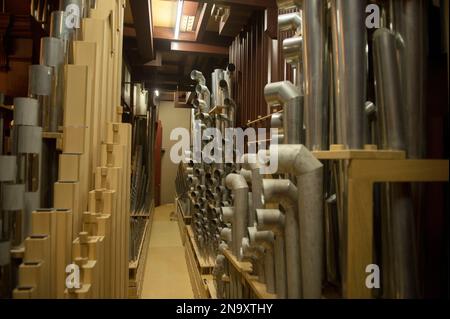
(299, 161)
(409, 26)
(400, 212)
(315, 70)
(349, 64)
(283, 191)
(388, 91)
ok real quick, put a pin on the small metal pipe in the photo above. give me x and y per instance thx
(292, 50)
(283, 191)
(239, 187)
(279, 93)
(290, 21)
(265, 239)
(198, 77)
(274, 220)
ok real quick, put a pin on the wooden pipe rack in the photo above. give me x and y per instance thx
(89, 226)
(365, 168)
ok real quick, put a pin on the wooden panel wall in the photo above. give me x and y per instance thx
(259, 60)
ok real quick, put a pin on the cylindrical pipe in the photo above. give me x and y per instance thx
(276, 121)
(198, 77)
(388, 90)
(265, 239)
(283, 191)
(292, 50)
(290, 21)
(299, 161)
(400, 213)
(239, 186)
(274, 220)
(315, 72)
(279, 93)
(349, 64)
(26, 111)
(409, 24)
(40, 80)
(293, 121)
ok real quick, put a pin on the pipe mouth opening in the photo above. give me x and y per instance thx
(231, 67)
(223, 84)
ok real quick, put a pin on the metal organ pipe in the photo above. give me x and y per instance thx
(283, 191)
(315, 72)
(198, 77)
(349, 65)
(298, 160)
(409, 26)
(265, 239)
(388, 90)
(286, 94)
(400, 212)
(239, 186)
(273, 220)
(290, 21)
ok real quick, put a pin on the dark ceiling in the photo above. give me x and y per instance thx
(164, 63)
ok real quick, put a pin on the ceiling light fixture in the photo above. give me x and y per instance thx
(179, 15)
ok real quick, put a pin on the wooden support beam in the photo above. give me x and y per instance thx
(165, 33)
(142, 16)
(205, 14)
(198, 48)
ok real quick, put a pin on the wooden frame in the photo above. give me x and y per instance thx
(364, 169)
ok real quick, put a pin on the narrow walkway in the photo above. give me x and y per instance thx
(166, 274)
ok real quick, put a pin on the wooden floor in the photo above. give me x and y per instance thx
(166, 275)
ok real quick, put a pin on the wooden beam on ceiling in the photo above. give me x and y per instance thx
(198, 48)
(142, 16)
(169, 34)
(203, 21)
(259, 4)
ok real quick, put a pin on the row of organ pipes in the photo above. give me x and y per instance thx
(296, 248)
(21, 177)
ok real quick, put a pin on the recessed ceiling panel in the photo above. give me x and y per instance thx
(164, 13)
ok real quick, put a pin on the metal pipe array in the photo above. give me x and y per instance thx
(327, 104)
